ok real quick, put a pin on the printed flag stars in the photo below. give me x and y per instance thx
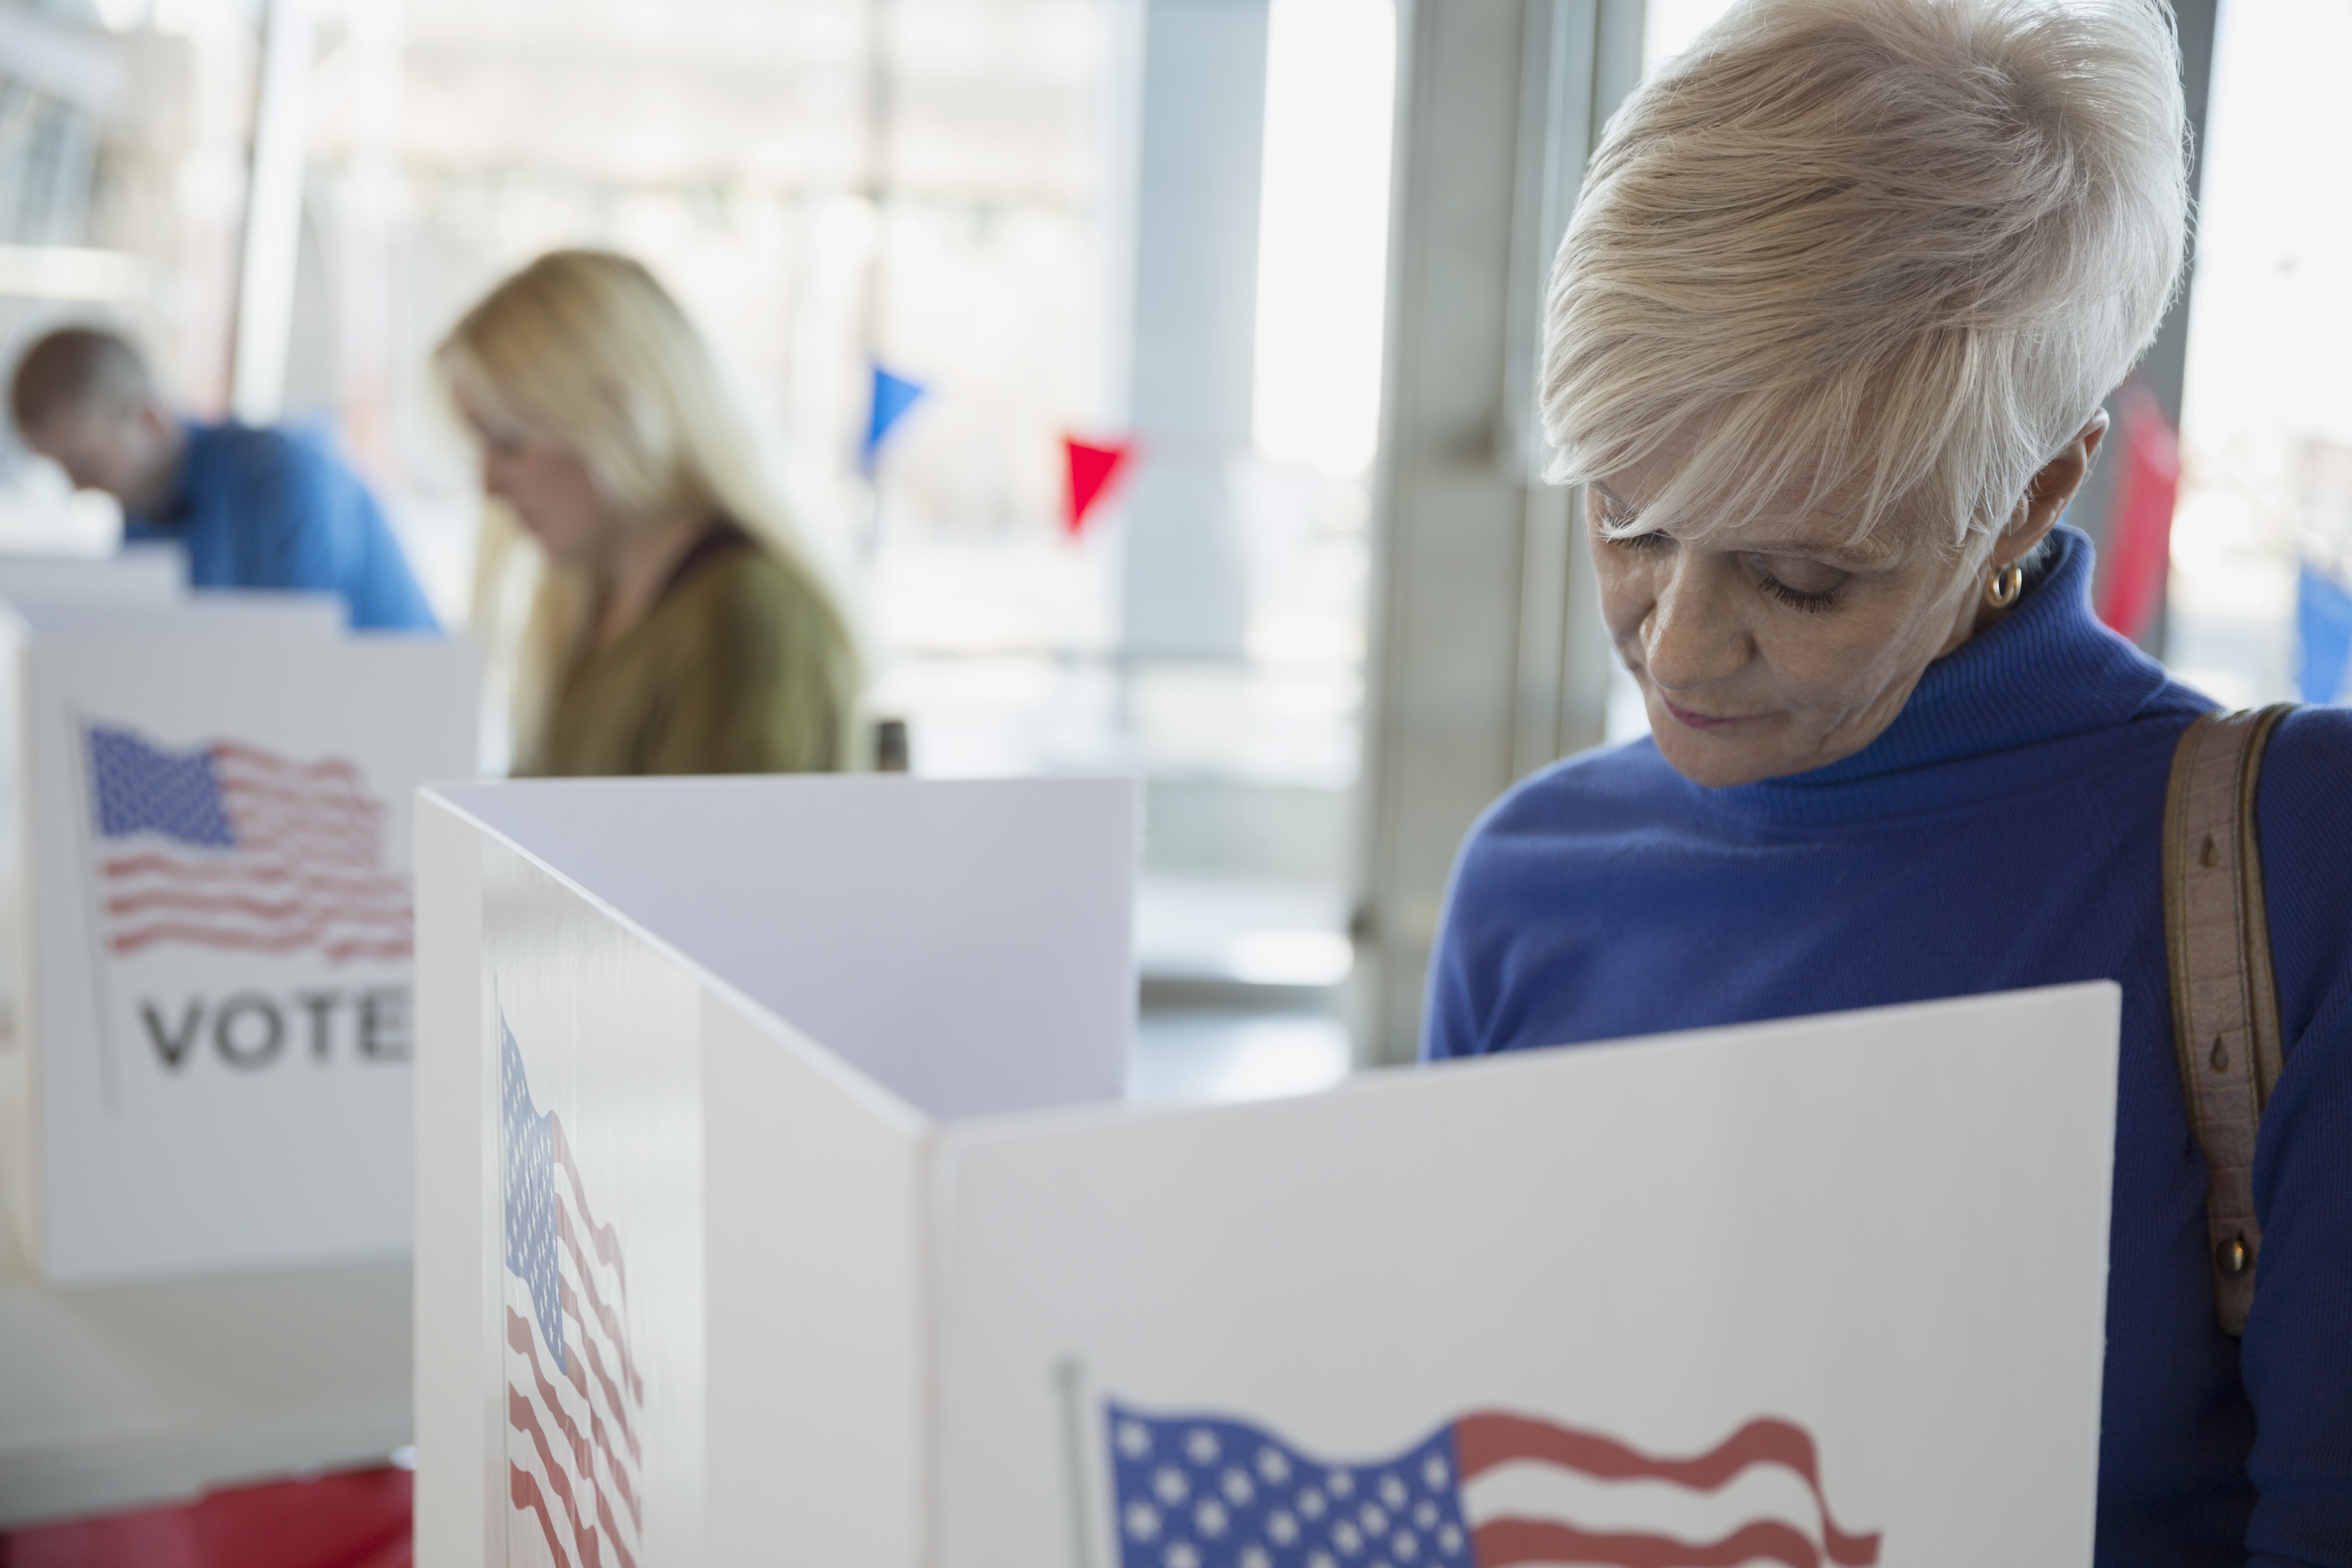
(1216, 1494)
(1200, 1491)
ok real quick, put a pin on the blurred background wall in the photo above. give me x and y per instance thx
(1162, 221)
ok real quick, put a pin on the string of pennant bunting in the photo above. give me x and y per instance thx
(1091, 469)
(2140, 531)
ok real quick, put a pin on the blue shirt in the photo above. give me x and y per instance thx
(270, 509)
(2003, 832)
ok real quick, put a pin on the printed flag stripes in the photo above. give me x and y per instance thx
(230, 847)
(1205, 1491)
(575, 1398)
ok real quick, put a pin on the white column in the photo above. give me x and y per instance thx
(1488, 661)
(1195, 293)
(273, 222)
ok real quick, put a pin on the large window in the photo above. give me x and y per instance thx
(1146, 220)
(2262, 543)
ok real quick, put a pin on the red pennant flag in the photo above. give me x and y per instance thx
(2140, 528)
(1092, 468)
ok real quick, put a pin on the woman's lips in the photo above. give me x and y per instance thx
(1706, 721)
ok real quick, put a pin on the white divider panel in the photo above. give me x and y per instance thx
(1827, 1287)
(208, 925)
(927, 935)
(1824, 1222)
(214, 614)
(140, 575)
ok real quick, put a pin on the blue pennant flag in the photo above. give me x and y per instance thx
(893, 395)
(2322, 613)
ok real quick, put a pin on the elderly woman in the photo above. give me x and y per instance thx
(1826, 346)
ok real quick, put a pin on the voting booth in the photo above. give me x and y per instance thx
(140, 574)
(206, 911)
(776, 1205)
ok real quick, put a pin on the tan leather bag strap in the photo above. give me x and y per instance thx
(2225, 1021)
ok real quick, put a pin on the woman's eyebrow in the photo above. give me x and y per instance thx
(1845, 553)
(1862, 555)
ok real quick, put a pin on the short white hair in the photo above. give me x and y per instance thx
(1897, 249)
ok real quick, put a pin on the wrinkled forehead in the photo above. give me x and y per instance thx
(1779, 501)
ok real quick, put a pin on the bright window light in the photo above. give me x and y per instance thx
(1331, 79)
(1670, 27)
(2266, 410)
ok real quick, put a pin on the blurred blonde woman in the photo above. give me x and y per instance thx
(679, 626)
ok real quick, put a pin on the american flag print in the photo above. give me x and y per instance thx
(1208, 1491)
(576, 1400)
(229, 846)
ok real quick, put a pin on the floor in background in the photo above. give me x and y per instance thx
(1246, 935)
(1241, 988)
(1241, 981)
(1186, 1055)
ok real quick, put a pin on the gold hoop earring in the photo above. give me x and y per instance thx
(2004, 587)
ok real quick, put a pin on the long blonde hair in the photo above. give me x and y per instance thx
(587, 348)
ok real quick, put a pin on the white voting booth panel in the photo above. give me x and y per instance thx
(141, 575)
(774, 1206)
(208, 919)
(301, 617)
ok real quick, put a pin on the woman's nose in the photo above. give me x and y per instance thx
(1691, 636)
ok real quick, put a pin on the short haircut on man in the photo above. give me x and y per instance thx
(75, 368)
(1895, 251)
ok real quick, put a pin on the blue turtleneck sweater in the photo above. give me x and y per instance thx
(2004, 832)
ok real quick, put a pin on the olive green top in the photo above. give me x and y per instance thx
(740, 668)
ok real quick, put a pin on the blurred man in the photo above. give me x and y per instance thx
(255, 508)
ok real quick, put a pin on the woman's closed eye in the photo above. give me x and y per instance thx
(1797, 599)
(1807, 586)
(1815, 591)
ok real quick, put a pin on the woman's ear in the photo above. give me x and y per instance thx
(2055, 485)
